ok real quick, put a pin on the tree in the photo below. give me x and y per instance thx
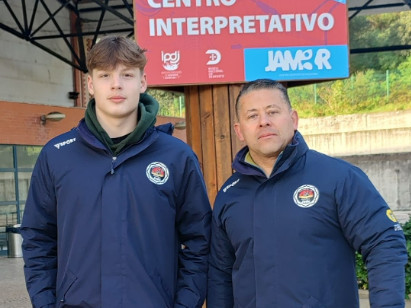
(171, 103)
(377, 31)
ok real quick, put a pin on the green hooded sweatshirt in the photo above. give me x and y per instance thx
(147, 112)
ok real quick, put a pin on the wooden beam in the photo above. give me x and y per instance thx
(222, 134)
(236, 144)
(208, 141)
(193, 121)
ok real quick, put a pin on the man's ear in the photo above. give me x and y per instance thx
(143, 83)
(294, 116)
(90, 85)
(237, 129)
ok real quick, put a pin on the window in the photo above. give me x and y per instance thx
(16, 166)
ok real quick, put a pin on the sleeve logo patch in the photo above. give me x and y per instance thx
(306, 196)
(391, 215)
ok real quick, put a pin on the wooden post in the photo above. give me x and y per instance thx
(210, 116)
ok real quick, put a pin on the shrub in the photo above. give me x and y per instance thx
(407, 232)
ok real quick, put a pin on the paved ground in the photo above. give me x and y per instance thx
(13, 292)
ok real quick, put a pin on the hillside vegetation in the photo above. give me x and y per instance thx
(365, 91)
(380, 81)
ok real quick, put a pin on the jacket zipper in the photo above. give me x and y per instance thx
(112, 164)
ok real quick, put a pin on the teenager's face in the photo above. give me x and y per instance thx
(117, 92)
(266, 124)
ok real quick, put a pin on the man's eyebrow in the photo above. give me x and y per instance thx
(266, 107)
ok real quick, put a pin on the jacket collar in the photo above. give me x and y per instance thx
(147, 112)
(291, 153)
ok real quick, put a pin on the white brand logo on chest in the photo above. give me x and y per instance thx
(61, 144)
(231, 185)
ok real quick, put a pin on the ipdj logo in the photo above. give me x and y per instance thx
(171, 60)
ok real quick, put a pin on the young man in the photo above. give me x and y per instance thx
(117, 213)
(286, 225)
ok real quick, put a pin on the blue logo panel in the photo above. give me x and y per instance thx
(297, 63)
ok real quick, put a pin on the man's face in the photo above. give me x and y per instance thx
(117, 92)
(266, 124)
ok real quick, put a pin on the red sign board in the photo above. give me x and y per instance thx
(229, 41)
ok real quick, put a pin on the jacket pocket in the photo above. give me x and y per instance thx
(68, 279)
(162, 288)
(313, 303)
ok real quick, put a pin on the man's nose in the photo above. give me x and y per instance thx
(264, 120)
(116, 82)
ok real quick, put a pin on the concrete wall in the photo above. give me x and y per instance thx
(29, 74)
(378, 143)
(359, 134)
(390, 174)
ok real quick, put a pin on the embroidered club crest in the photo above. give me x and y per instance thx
(306, 196)
(157, 173)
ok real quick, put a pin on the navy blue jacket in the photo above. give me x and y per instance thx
(125, 231)
(290, 240)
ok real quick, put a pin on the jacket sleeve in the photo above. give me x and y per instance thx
(370, 227)
(39, 234)
(193, 223)
(220, 288)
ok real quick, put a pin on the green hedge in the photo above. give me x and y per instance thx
(362, 277)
